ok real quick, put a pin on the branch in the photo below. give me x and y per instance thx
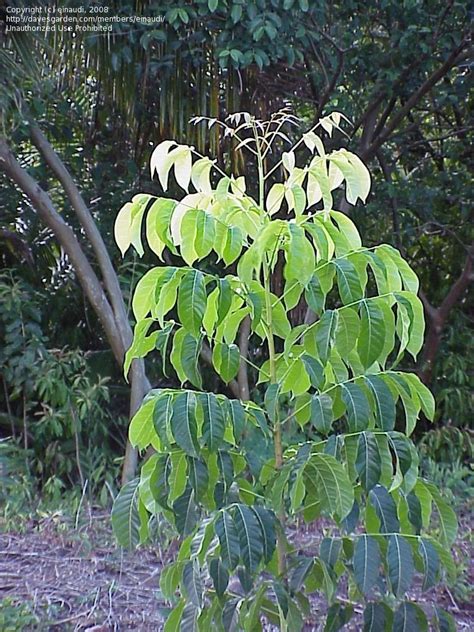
(69, 242)
(243, 376)
(454, 58)
(92, 232)
(438, 316)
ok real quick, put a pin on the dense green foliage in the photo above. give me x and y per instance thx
(333, 396)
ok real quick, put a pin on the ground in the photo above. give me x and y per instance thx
(63, 574)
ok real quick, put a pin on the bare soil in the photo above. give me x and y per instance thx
(74, 577)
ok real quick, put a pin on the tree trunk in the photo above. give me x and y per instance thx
(112, 315)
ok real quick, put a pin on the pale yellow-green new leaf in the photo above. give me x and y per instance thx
(122, 228)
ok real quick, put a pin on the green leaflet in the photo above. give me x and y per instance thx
(189, 357)
(335, 490)
(372, 332)
(409, 616)
(430, 560)
(368, 464)
(219, 575)
(226, 360)
(172, 623)
(184, 509)
(192, 583)
(300, 259)
(416, 329)
(321, 413)
(347, 332)
(447, 518)
(366, 563)
(183, 422)
(329, 551)
(204, 235)
(348, 281)
(325, 334)
(213, 426)
(250, 536)
(141, 431)
(125, 518)
(228, 539)
(178, 476)
(384, 402)
(337, 617)
(162, 416)
(357, 406)
(192, 301)
(385, 509)
(144, 294)
(377, 618)
(400, 564)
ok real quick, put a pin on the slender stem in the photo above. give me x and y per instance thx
(277, 441)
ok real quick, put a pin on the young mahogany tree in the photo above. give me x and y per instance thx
(336, 411)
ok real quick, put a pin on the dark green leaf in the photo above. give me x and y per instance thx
(325, 333)
(384, 402)
(368, 464)
(184, 510)
(348, 281)
(337, 617)
(385, 508)
(192, 583)
(266, 520)
(125, 517)
(357, 407)
(226, 360)
(219, 575)
(366, 563)
(377, 617)
(213, 426)
(250, 536)
(409, 617)
(430, 562)
(183, 422)
(321, 413)
(400, 564)
(372, 332)
(228, 540)
(192, 301)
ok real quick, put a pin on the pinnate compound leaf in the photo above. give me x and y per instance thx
(400, 564)
(125, 516)
(366, 563)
